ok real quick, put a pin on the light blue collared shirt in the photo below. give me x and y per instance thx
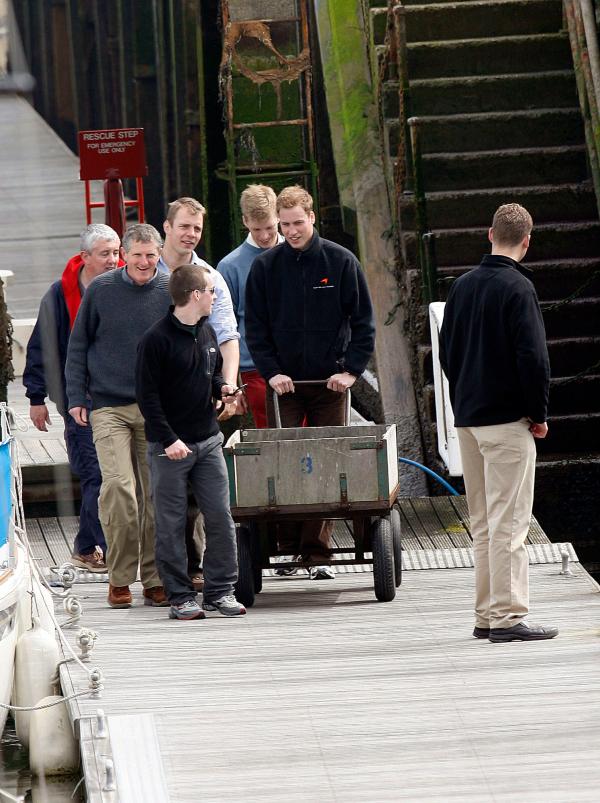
(222, 318)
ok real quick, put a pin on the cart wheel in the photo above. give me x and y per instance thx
(244, 588)
(254, 537)
(383, 560)
(397, 543)
(257, 578)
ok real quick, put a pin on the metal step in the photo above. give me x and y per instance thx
(485, 131)
(546, 203)
(485, 93)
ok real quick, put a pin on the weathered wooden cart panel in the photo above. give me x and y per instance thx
(312, 466)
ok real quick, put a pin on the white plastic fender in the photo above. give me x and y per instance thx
(35, 665)
(52, 747)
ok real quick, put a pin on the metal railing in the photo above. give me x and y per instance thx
(425, 238)
(408, 167)
(404, 164)
(583, 37)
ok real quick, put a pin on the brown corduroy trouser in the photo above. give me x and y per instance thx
(312, 406)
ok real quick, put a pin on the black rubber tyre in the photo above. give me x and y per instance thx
(244, 588)
(383, 560)
(254, 536)
(257, 577)
(397, 543)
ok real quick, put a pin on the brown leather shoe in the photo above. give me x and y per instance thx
(197, 581)
(119, 596)
(155, 596)
(91, 563)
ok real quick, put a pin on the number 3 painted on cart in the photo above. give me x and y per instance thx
(307, 464)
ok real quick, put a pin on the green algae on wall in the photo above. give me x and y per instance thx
(343, 43)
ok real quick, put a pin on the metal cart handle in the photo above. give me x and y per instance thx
(311, 382)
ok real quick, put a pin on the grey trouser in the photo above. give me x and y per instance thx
(499, 472)
(124, 506)
(204, 469)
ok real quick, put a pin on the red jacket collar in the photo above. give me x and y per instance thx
(70, 286)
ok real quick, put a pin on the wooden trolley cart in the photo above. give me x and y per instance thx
(347, 473)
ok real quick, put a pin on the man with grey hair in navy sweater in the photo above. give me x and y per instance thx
(117, 309)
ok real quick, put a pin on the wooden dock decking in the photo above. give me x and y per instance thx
(322, 694)
(36, 449)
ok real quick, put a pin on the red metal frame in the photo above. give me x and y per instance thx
(138, 202)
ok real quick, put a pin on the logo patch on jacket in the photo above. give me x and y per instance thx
(323, 284)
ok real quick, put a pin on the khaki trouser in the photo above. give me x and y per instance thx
(499, 472)
(124, 506)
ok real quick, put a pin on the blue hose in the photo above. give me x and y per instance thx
(431, 473)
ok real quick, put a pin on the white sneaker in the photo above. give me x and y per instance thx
(227, 605)
(186, 610)
(321, 573)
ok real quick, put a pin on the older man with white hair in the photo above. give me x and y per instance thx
(44, 376)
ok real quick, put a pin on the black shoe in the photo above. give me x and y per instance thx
(481, 632)
(523, 632)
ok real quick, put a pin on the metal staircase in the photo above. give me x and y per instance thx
(479, 106)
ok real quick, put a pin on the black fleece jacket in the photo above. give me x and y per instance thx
(308, 313)
(177, 375)
(493, 346)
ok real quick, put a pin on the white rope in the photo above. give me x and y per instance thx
(19, 421)
(38, 707)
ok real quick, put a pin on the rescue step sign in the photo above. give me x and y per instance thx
(112, 153)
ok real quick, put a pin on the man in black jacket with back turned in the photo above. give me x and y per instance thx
(493, 351)
(308, 317)
(178, 374)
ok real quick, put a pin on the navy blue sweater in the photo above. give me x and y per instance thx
(44, 373)
(308, 313)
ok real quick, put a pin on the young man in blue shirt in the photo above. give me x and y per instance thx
(259, 216)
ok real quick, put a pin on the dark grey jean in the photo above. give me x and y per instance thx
(206, 473)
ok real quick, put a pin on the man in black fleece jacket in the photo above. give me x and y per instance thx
(178, 373)
(493, 351)
(308, 317)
